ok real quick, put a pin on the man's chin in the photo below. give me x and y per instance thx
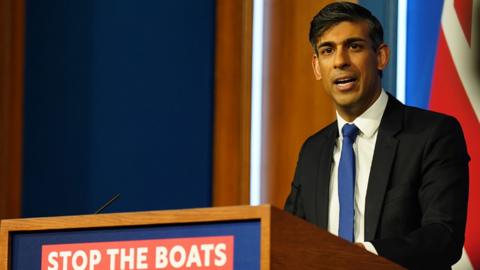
(345, 101)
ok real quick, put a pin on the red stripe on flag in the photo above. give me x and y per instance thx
(464, 13)
(448, 96)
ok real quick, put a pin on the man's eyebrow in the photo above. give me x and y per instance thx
(326, 44)
(354, 39)
(346, 41)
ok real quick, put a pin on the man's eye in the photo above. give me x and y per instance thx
(326, 51)
(355, 46)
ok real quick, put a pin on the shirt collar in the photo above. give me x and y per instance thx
(369, 121)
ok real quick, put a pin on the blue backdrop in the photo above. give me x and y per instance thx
(386, 12)
(118, 99)
(423, 28)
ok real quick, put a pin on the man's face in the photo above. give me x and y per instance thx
(348, 67)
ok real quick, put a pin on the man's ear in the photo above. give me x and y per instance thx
(383, 56)
(316, 67)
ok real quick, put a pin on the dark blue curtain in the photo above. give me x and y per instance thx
(118, 99)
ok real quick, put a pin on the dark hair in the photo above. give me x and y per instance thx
(338, 12)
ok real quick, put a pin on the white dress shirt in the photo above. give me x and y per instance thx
(363, 147)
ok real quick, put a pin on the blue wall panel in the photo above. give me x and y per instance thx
(118, 98)
(423, 28)
(386, 13)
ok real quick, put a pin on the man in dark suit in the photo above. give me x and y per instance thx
(389, 177)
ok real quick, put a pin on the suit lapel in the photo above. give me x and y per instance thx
(323, 175)
(383, 157)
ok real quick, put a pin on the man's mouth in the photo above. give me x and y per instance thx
(345, 83)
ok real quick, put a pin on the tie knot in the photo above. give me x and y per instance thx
(350, 131)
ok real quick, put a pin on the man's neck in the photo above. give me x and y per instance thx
(349, 114)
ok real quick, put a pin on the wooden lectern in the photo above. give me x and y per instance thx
(262, 237)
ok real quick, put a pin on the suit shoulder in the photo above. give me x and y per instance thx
(433, 127)
(425, 118)
(323, 134)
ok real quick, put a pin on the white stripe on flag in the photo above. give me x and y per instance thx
(464, 263)
(463, 55)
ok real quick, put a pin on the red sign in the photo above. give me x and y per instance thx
(214, 252)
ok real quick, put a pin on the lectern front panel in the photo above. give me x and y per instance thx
(219, 245)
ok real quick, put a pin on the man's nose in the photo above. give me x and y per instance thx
(342, 59)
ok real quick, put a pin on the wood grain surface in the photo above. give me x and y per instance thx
(11, 105)
(231, 143)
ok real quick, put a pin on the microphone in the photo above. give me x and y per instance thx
(107, 204)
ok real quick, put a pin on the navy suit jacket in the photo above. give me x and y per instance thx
(416, 202)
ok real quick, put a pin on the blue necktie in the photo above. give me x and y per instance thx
(346, 182)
